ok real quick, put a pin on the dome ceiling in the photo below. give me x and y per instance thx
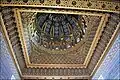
(59, 31)
(43, 46)
(54, 39)
(67, 35)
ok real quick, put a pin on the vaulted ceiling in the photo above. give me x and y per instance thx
(60, 39)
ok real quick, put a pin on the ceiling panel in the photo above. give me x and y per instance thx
(58, 43)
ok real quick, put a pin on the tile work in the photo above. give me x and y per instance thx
(7, 67)
(110, 67)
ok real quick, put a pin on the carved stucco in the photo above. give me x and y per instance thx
(12, 32)
(75, 55)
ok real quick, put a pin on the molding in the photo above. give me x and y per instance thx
(56, 66)
(21, 33)
(77, 12)
(93, 5)
(55, 77)
(109, 45)
(101, 26)
(4, 31)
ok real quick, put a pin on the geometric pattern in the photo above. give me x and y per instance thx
(75, 55)
(82, 60)
(7, 67)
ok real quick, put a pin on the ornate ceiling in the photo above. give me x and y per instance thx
(55, 31)
(59, 39)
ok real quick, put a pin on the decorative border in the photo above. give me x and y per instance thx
(67, 4)
(96, 38)
(94, 43)
(57, 77)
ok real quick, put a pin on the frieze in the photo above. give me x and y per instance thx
(107, 6)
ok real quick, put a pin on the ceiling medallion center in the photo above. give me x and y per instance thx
(59, 31)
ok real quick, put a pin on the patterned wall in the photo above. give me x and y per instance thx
(110, 67)
(7, 67)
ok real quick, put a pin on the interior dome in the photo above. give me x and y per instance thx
(59, 31)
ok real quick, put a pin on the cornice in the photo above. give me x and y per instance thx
(93, 5)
